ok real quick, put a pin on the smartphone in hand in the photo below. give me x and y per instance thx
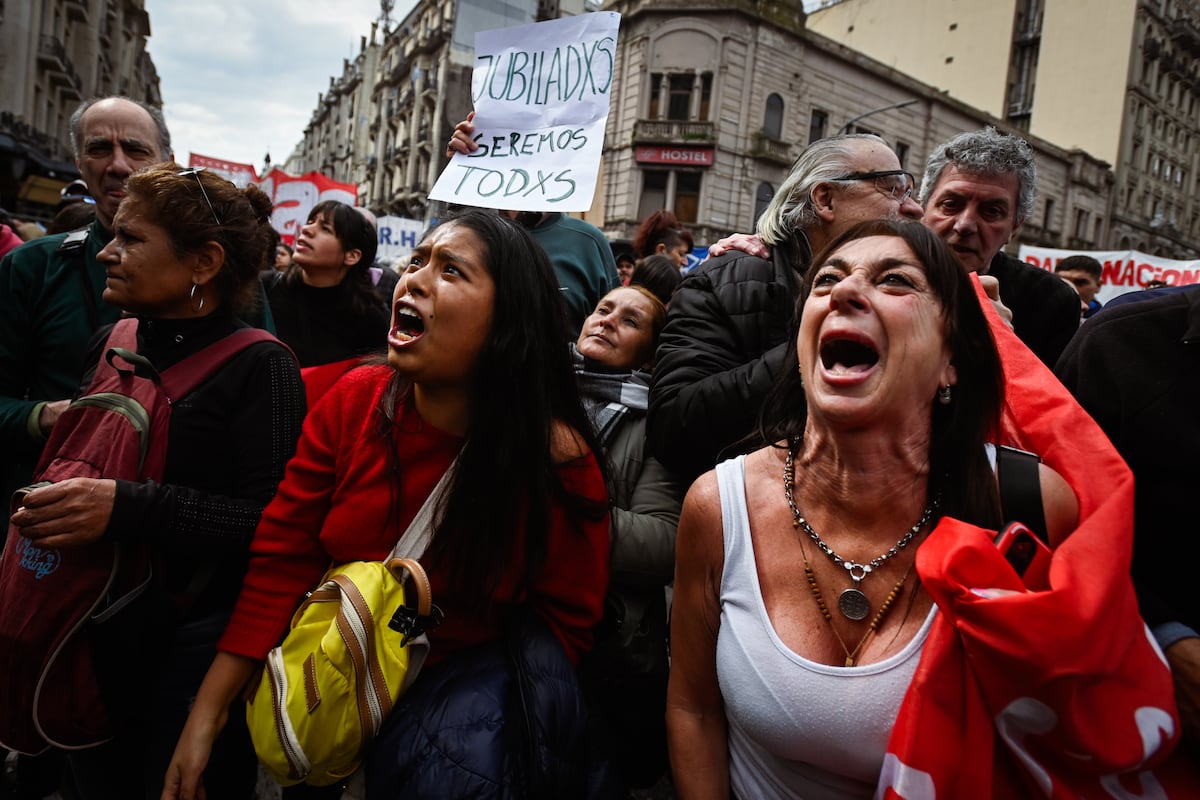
(1027, 554)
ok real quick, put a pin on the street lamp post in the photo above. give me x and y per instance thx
(846, 128)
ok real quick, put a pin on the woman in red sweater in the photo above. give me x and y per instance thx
(476, 368)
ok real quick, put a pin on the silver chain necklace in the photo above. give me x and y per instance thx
(852, 602)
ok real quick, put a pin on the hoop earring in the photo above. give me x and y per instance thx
(943, 395)
(196, 308)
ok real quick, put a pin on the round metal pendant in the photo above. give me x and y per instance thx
(854, 604)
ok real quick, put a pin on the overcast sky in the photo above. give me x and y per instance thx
(240, 78)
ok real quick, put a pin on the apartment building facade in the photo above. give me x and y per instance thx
(712, 102)
(54, 54)
(1123, 86)
(715, 100)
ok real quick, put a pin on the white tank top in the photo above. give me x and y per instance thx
(797, 729)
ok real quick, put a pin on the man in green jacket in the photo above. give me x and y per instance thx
(50, 288)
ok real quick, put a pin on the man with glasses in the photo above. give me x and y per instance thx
(977, 191)
(728, 323)
(50, 289)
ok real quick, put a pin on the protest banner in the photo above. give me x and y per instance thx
(398, 237)
(295, 195)
(240, 175)
(541, 94)
(1123, 270)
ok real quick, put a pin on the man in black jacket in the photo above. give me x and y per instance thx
(729, 322)
(1135, 368)
(727, 327)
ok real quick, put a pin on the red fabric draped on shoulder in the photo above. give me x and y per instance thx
(1060, 693)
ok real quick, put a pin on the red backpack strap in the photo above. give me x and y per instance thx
(123, 336)
(183, 378)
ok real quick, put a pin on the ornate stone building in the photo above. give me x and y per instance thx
(337, 138)
(53, 54)
(712, 101)
(1118, 79)
(715, 100)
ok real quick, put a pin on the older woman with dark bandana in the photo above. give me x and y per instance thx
(626, 675)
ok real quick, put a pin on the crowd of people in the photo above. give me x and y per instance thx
(824, 613)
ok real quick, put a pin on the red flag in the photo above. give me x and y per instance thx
(1060, 693)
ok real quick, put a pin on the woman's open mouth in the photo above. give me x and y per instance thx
(847, 357)
(408, 325)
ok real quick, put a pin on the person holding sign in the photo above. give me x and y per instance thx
(578, 251)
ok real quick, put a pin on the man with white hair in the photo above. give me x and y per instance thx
(728, 324)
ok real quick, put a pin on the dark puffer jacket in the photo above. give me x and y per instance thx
(502, 721)
(723, 345)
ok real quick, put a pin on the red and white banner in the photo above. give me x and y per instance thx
(293, 195)
(1124, 270)
(240, 175)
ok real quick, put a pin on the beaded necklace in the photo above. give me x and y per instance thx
(852, 655)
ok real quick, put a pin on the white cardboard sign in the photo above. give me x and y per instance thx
(541, 94)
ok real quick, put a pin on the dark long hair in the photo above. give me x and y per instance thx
(354, 232)
(523, 381)
(958, 465)
(660, 274)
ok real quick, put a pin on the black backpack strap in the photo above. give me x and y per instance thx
(74, 246)
(1021, 489)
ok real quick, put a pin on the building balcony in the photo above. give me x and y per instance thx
(1019, 109)
(1027, 36)
(430, 40)
(671, 131)
(768, 149)
(52, 57)
(1185, 34)
(77, 10)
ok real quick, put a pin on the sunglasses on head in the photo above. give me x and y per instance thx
(195, 173)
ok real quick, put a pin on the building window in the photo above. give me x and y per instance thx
(673, 189)
(1048, 214)
(773, 119)
(1081, 223)
(687, 196)
(680, 96)
(902, 149)
(654, 192)
(762, 199)
(817, 125)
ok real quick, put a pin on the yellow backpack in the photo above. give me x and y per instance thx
(353, 647)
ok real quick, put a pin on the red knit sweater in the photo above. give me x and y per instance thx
(335, 505)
